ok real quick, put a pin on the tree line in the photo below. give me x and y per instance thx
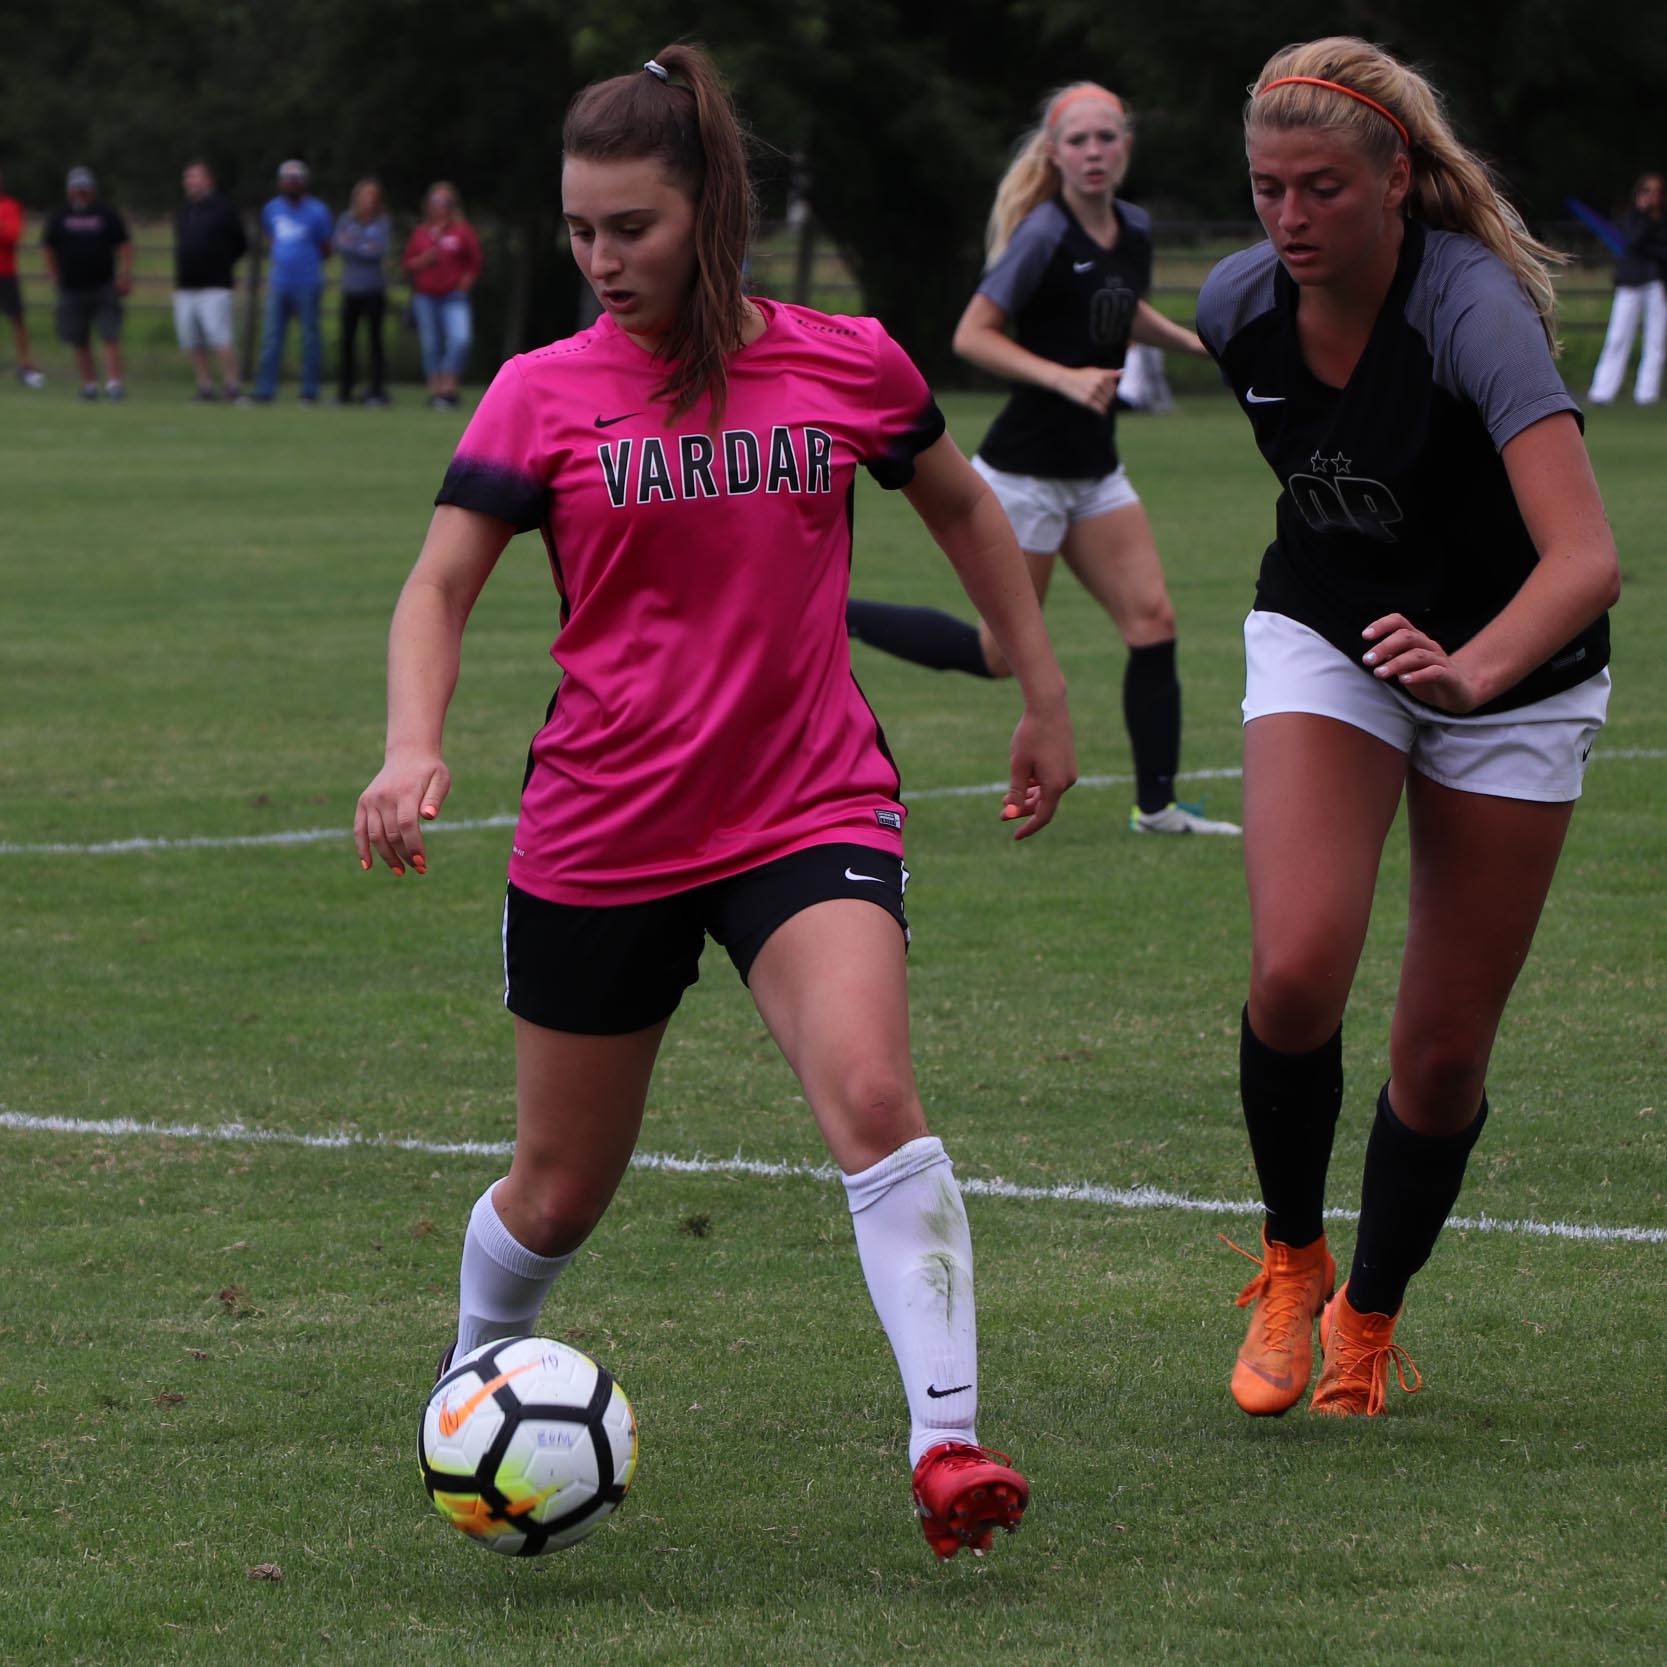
(897, 116)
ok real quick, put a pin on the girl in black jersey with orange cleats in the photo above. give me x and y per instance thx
(1429, 621)
(1069, 268)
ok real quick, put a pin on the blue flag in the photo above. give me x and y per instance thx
(1606, 231)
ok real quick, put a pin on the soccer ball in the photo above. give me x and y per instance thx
(526, 1445)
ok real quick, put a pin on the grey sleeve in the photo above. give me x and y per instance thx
(1238, 289)
(1012, 279)
(1486, 340)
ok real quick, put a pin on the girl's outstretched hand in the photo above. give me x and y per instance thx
(408, 790)
(1042, 766)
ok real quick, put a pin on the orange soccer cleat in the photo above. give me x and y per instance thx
(1354, 1379)
(1276, 1358)
(964, 1494)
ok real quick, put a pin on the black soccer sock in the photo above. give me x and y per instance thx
(1152, 714)
(925, 636)
(1410, 1186)
(1291, 1102)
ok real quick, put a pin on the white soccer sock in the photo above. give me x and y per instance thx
(502, 1284)
(916, 1253)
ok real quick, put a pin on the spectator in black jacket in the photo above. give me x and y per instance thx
(209, 240)
(1639, 291)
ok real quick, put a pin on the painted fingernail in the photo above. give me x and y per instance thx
(430, 812)
(1371, 659)
(420, 864)
(364, 863)
(399, 873)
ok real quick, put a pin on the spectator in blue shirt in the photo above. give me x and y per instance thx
(297, 229)
(362, 238)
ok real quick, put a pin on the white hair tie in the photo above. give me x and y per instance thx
(657, 69)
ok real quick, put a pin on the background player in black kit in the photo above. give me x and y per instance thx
(1430, 618)
(1069, 267)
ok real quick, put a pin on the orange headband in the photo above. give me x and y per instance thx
(1072, 94)
(1338, 87)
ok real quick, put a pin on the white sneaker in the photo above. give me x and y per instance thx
(1177, 819)
(114, 390)
(32, 378)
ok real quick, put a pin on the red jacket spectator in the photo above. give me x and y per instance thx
(11, 297)
(11, 234)
(442, 257)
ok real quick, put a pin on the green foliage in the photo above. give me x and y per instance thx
(901, 115)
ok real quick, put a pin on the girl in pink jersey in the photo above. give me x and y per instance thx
(708, 764)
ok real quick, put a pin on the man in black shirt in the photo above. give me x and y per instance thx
(90, 258)
(209, 240)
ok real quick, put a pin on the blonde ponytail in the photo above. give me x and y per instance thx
(1452, 188)
(1031, 177)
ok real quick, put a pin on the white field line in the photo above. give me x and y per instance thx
(326, 836)
(1068, 1192)
(321, 836)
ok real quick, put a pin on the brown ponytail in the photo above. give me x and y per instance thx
(688, 122)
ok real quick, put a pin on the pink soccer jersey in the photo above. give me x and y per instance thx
(707, 719)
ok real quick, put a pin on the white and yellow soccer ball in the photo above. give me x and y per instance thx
(526, 1445)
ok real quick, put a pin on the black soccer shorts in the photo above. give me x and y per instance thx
(611, 970)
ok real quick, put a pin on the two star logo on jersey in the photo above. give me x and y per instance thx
(1332, 498)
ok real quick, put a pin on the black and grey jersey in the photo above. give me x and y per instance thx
(1073, 302)
(1643, 256)
(1394, 496)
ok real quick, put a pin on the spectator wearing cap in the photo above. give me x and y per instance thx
(11, 297)
(297, 228)
(209, 240)
(90, 259)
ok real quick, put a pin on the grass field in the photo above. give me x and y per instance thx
(216, 1345)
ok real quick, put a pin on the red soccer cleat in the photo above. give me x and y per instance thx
(964, 1494)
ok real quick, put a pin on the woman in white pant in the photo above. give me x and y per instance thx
(1639, 293)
